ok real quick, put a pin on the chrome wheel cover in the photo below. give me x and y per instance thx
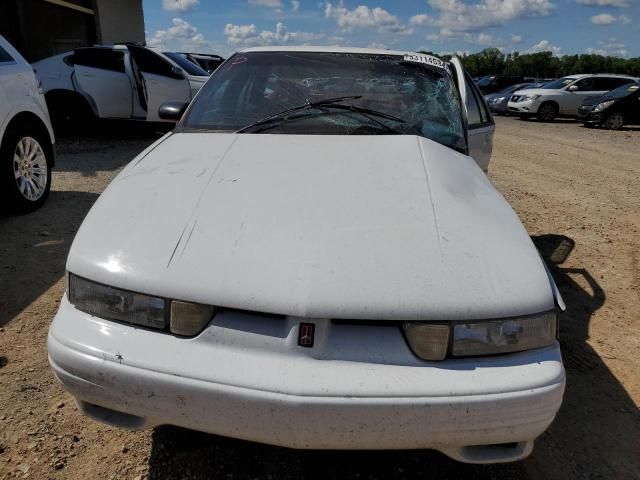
(30, 168)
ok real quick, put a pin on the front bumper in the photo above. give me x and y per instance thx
(528, 107)
(358, 388)
(589, 116)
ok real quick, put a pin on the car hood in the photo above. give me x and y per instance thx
(353, 227)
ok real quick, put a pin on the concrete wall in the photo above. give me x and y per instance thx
(119, 21)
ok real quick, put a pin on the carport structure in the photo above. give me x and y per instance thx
(41, 28)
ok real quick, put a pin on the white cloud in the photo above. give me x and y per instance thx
(182, 36)
(484, 39)
(266, 3)
(249, 35)
(545, 46)
(295, 5)
(447, 35)
(607, 19)
(364, 17)
(603, 19)
(179, 5)
(378, 45)
(611, 48)
(422, 19)
(516, 38)
(460, 16)
(604, 3)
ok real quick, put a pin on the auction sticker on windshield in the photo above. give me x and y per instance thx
(427, 60)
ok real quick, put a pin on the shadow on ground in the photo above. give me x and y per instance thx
(579, 444)
(34, 247)
(108, 145)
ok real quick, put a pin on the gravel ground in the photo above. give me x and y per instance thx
(569, 185)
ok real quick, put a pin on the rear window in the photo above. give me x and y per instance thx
(103, 58)
(5, 57)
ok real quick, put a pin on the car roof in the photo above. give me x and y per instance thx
(326, 49)
(584, 75)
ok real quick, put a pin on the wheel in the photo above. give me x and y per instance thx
(615, 121)
(547, 112)
(25, 159)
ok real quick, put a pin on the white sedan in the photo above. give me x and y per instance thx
(316, 264)
(116, 82)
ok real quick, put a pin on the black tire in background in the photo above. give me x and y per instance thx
(12, 198)
(614, 121)
(547, 112)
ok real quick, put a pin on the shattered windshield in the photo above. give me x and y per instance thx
(390, 94)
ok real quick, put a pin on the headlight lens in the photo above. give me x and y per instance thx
(504, 336)
(603, 105)
(117, 304)
(431, 340)
(111, 303)
(526, 98)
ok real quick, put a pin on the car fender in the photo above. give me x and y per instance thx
(18, 108)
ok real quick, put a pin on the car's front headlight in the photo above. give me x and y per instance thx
(430, 341)
(111, 303)
(529, 98)
(504, 336)
(603, 105)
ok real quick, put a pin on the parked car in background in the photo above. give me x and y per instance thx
(494, 83)
(338, 273)
(205, 61)
(26, 136)
(115, 81)
(498, 101)
(564, 96)
(614, 109)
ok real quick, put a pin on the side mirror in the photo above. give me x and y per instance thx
(172, 110)
(573, 88)
(177, 72)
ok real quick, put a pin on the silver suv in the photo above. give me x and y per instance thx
(564, 96)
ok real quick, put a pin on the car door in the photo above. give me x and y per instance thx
(480, 126)
(99, 74)
(584, 88)
(161, 80)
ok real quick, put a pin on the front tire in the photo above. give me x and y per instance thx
(547, 112)
(26, 157)
(615, 121)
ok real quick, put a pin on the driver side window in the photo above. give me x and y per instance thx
(585, 85)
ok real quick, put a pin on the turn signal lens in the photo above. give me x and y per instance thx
(189, 319)
(428, 341)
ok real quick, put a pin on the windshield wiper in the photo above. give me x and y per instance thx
(306, 106)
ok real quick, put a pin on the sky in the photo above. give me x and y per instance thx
(607, 27)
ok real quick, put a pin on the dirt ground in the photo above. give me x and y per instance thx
(566, 182)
